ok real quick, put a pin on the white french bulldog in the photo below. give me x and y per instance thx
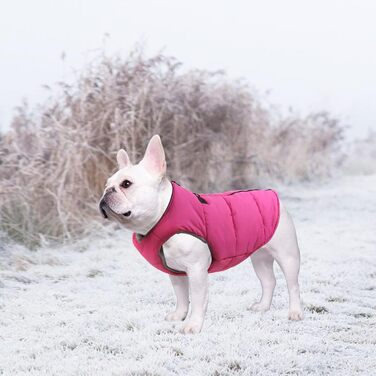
(138, 195)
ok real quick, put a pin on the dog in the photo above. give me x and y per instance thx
(189, 235)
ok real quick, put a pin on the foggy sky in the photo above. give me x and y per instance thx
(310, 55)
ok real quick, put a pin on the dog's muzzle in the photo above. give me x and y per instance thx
(103, 207)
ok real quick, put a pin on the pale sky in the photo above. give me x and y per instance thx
(310, 55)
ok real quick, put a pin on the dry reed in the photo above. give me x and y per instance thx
(216, 132)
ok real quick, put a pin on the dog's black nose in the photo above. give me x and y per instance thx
(110, 190)
(102, 206)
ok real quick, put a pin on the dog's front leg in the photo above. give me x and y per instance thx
(180, 285)
(198, 291)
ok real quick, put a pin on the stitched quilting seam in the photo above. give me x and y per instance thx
(233, 223)
(262, 217)
(206, 223)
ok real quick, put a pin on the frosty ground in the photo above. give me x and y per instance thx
(97, 308)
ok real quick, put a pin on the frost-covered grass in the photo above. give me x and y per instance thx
(97, 308)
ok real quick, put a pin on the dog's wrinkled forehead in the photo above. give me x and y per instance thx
(118, 177)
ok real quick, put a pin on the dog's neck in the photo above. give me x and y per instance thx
(164, 200)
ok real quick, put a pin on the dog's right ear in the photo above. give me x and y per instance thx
(154, 159)
(122, 159)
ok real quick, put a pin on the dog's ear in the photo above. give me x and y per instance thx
(122, 159)
(154, 159)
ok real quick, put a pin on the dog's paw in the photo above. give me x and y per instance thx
(191, 327)
(176, 316)
(259, 307)
(296, 314)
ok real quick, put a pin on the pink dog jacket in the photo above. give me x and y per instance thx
(233, 224)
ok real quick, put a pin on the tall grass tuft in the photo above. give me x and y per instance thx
(217, 134)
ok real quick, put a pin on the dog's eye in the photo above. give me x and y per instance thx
(126, 184)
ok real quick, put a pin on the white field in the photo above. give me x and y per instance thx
(97, 308)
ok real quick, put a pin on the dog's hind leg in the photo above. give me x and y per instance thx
(263, 264)
(290, 268)
(284, 248)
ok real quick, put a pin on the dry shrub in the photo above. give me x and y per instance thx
(217, 134)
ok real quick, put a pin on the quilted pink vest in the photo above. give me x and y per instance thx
(233, 224)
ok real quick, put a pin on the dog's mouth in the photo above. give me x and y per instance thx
(102, 208)
(106, 210)
(104, 213)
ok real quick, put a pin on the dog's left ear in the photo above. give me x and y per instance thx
(122, 159)
(154, 159)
